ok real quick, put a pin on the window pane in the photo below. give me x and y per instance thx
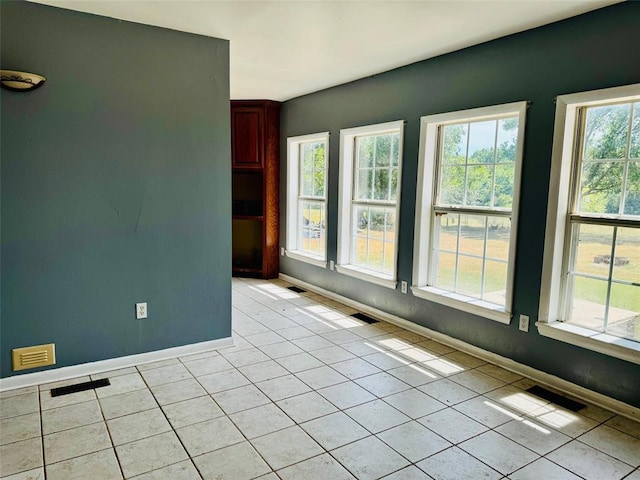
(445, 276)
(499, 236)
(588, 302)
(469, 276)
(605, 134)
(479, 185)
(507, 139)
(503, 193)
(395, 149)
(635, 132)
(383, 150)
(448, 232)
(394, 184)
(454, 144)
(495, 282)
(381, 184)
(593, 250)
(312, 228)
(472, 230)
(452, 186)
(624, 312)
(626, 264)
(632, 195)
(365, 151)
(363, 189)
(307, 183)
(600, 187)
(482, 138)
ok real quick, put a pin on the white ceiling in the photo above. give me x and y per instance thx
(284, 49)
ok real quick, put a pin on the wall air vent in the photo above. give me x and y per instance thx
(33, 357)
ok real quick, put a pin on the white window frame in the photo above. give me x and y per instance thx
(293, 194)
(551, 292)
(347, 158)
(424, 227)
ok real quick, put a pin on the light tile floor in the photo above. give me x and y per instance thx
(309, 392)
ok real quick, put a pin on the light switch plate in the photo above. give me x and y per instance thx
(524, 323)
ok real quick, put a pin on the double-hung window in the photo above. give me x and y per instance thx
(591, 276)
(466, 206)
(370, 167)
(307, 160)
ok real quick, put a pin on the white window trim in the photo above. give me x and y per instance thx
(347, 140)
(293, 174)
(429, 126)
(548, 324)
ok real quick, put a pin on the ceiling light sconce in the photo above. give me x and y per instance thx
(20, 81)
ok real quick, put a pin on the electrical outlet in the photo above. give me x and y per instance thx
(332, 265)
(141, 310)
(282, 251)
(524, 323)
(403, 286)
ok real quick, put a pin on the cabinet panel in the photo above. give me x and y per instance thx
(247, 137)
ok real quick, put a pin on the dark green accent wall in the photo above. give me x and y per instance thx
(588, 52)
(116, 186)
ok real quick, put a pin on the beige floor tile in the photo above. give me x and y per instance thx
(456, 464)
(334, 430)
(114, 373)
(386, 360)
(76, 442)
(178, 391)
(283, 387)
(500, 373)
(137, 425)
(414, 403)
(261, 420)
(355, 368)
(588, 462)
(150, 453)
(282, 349)
(477, 381)
(316, 342)
(377, 416)
(565, 421)
(625, 425)
(241, 398)
(205, 366)
(346, 395)
(286, 447)
(295, 332)
(16, 429)
(259, 372)
(101, 465)
(413, 441)
(306, 407)
(198, 356)
(615, 443)
(533, 435)
(332, 354)
(299, 362)
(264, 338)
(168, 374)
(543, 469)
(71, 416)
(410, 473)
(157, 364)
(453, 425)
(127, 403)
(465, 359)
(35, 474)
(447, 392)
(487, 412)
(323, 466)
(211, 435)
(178, 471)
(122, 384)
(48, 402)
(237, 462)
(63, 383)
(517, 399)
(192, 411)
(498, 452)
(369, 458)
(414, 375)
(18, 391)
(321, 377)
(21, 456)
(243, 358)
(17, 405)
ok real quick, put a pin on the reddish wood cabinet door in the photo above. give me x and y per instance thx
(247, 141)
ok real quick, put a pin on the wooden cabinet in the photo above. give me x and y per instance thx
(255, 156)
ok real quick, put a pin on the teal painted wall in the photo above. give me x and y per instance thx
(587, 52)
(116, 186)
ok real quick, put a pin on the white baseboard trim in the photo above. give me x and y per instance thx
(538, 376)
(92, 368)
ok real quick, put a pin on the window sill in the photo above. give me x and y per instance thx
(304, 257)
(464, 303)
(592, 340)
(368, 276)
